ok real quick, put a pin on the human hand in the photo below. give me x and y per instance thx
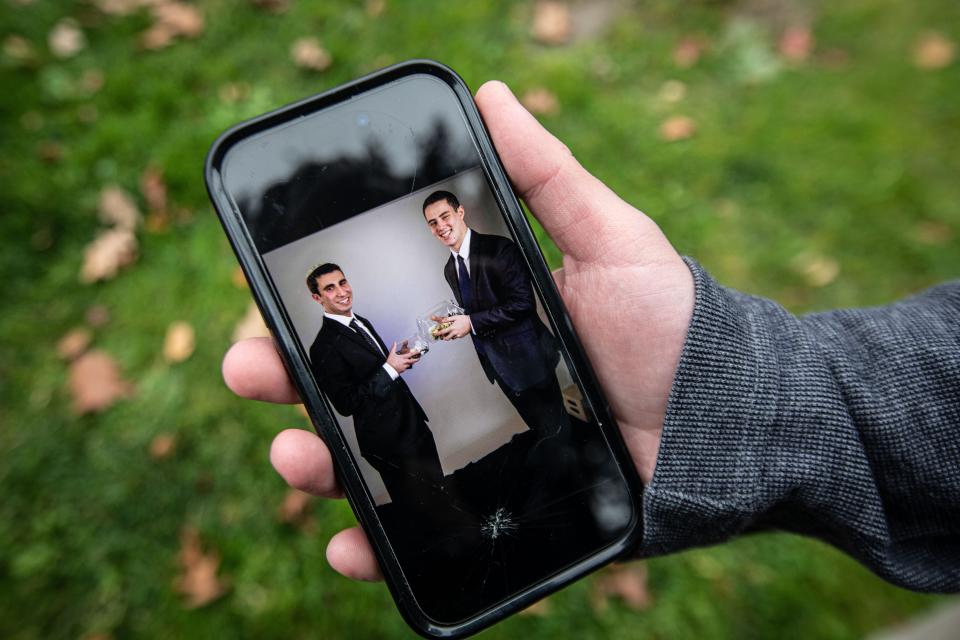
(460, 326)
(402, 361)
(628, 292)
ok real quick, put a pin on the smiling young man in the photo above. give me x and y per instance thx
(361, 377)
(489, 279)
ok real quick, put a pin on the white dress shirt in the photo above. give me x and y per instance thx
(464, 251)
(346, 320)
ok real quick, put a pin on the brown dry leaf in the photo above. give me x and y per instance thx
(628, 582)
(302, 410)
(238, 279)
(273, 6)
(97, 316)
(199, 581)
(163, 446)
(294, 508)
(119, 7)
(817, 270)
(796, 43)
(74, 343)
(687, 52)
(375, 8)
(551, 22)
(540, 101)
(934, 51)
(251, 325)
(66, 39)
(154, 190)
(50, 151)
(109, 252)
(92, 80)
(95, 382)
(117, 208)
(179, 342)
(933, 232)
(678, 128)
(172, 20)
(18, 48)
(307, 53)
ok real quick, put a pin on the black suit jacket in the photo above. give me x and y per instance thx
(516, 344)
(388, 420)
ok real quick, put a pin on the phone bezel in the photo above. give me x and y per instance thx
(317, 406)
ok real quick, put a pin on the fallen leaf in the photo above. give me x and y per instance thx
(796, 43)
(50, 151)
(119, 7)
(933, 51)
(66, 39)
(251, 325)
(238, 279)
(109, 252)
(678, 128)
(933, 232)
(294, 507)
(672, 91)
(234, 92)
(154, 190)
(172, 20)
(92, 80)
(302, 410)
(199, 581)
(540, 101)
(307, 53)
(273, 6)
(97, 316)
(74, 343)
(18, 48)
(179, 342)
(539, 609)
(163, 446)
(95, 382)
(687, 52)
(551, 22)
(627, 582)
(817, 270)
(375, 8)
(117, 208)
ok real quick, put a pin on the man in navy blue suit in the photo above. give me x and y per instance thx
(489, 279)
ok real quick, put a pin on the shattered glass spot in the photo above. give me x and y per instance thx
(499, 523)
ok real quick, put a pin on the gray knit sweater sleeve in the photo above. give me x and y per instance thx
(842, 425)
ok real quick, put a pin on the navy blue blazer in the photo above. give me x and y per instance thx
(518, 347)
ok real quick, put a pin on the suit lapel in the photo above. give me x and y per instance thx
(476, 256)
(376, 336)
(350, 334)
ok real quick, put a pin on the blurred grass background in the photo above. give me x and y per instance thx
(821, 180)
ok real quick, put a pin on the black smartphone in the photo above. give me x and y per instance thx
(416, 315)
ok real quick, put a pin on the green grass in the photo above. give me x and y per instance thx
(847, 162)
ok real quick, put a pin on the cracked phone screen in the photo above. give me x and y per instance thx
(422, 328)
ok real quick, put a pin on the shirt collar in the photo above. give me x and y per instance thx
(464, 247)
(344, 320)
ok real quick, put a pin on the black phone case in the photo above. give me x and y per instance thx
(319, 410)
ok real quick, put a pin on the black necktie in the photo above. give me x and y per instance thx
(466, 293)
(366, 336)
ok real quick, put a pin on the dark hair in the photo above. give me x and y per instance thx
(323, 269)
(437, 196)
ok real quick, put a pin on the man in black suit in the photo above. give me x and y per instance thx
(362, 379)
(489, 279)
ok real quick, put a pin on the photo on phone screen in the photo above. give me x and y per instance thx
(421, 324)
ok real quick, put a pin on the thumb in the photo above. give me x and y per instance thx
(583, 216)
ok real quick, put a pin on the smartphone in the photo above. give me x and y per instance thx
(416, 316)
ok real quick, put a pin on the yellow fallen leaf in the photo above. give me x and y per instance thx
(294, 507)
(678, 128)
(117, 208)
(198, 580)
(307, 53)
(627, 582)
(540, 101)
(66, 39)
(934, 51)
(251, 325)
(72, 345)
(163, 446)
(179, 342)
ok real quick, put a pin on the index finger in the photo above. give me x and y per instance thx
(252, 369)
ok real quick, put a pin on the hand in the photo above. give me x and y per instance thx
(402, 361)
(627, 290)
(460, 327)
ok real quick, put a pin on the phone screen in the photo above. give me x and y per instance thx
(416, 310)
